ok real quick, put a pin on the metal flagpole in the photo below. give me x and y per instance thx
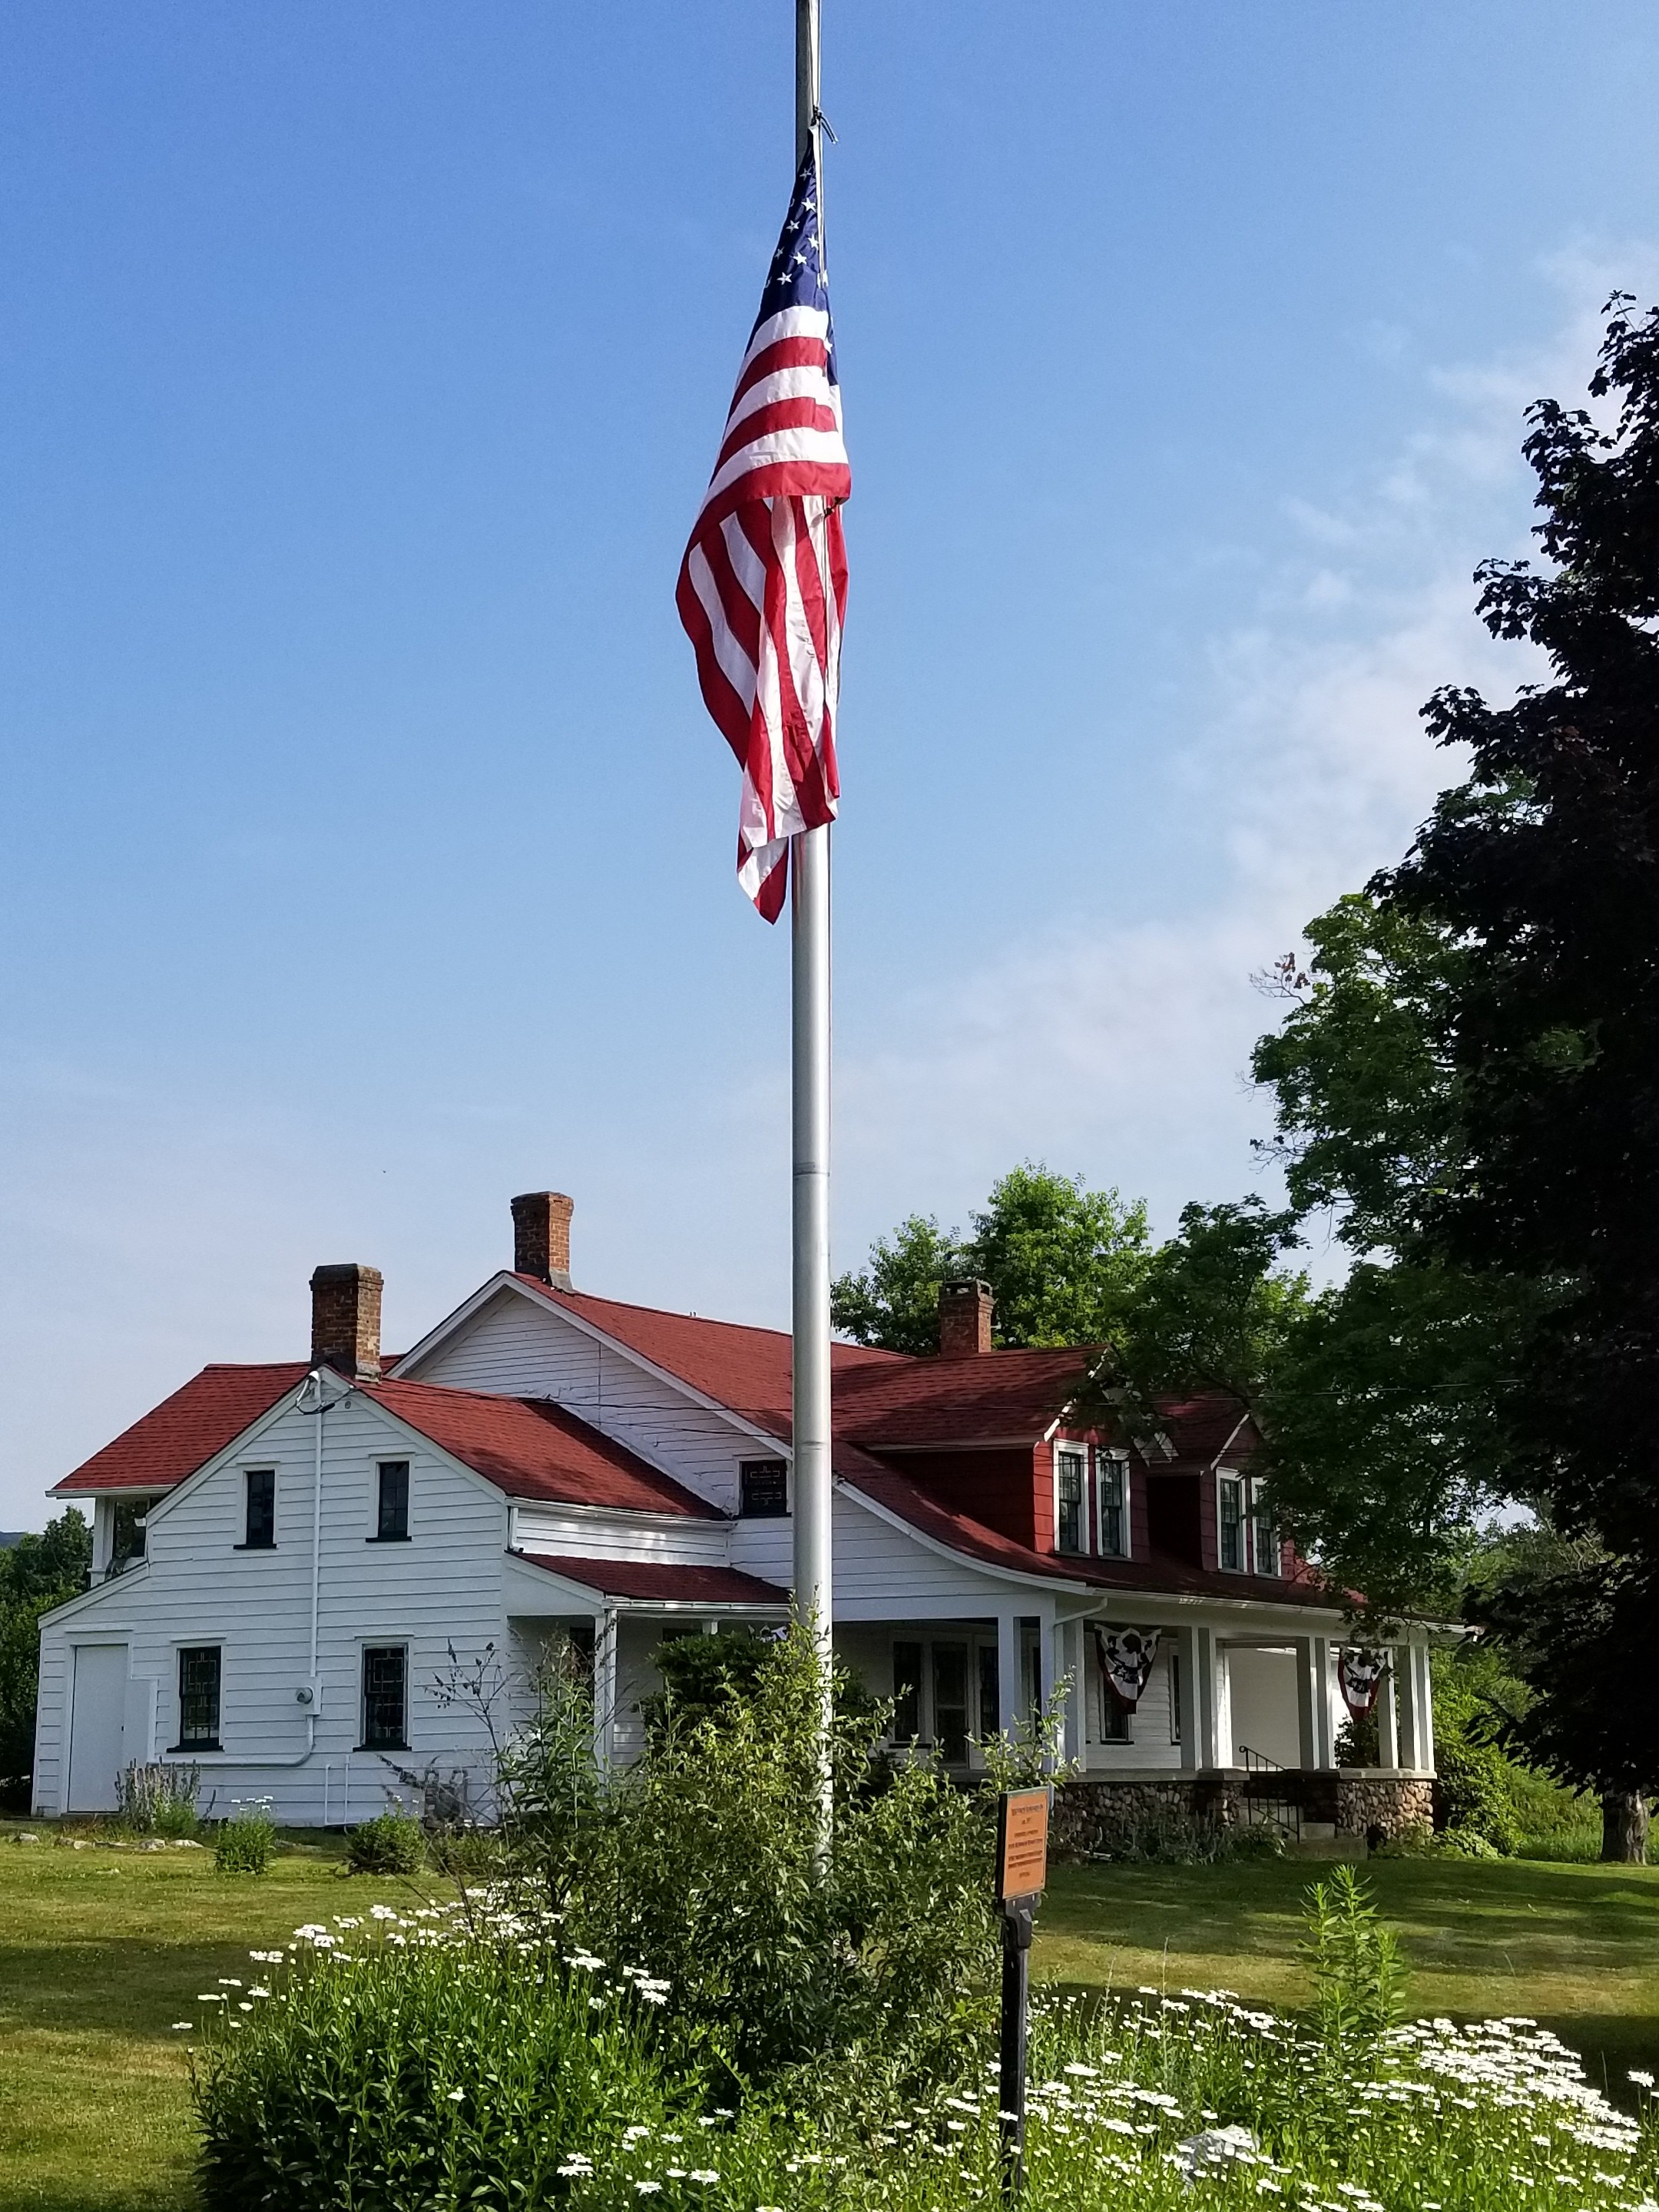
(810, 1032)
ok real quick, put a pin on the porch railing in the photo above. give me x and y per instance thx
(1262, 1809)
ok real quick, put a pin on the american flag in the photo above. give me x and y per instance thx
(764, 584)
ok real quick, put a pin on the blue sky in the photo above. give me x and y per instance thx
(366, 856)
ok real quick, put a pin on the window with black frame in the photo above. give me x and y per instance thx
(1112, 1507)
(907, 1692)
(391, 1503)
(259, 1517)
(950, 1703)
(200, 1669)
(1071, 1501)
(386, 1697)
(762, 1489)
(1247, 1542)
(127, 1532)
(990, 1693)
(1230, 1496)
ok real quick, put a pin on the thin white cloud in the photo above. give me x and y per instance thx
(1122, 1051)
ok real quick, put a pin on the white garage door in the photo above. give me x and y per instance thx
(96, 1726)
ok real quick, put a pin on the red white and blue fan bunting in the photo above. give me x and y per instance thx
(1126, 1657)
(1360, 1672)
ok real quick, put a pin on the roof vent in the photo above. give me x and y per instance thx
(964, 1319)
(541, 1237)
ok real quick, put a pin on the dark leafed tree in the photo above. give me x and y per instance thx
(36, 1573)
(1477, 1089)
(1384, 1410)
(1544, 867)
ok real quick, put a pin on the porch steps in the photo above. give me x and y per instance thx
(1320, 1840)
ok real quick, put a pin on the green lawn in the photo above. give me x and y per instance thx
(1574, 1947)
(101, 1950)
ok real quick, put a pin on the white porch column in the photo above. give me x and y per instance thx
(1315, 1725)
(1416, 1708)
(1012, 1713)
(1225, 1750)
(1388, 1713)
(1063, 1640)
(1205, 1732)
(604, 1685)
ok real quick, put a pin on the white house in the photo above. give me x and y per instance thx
(287, 1555)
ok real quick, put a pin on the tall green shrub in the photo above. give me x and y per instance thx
(702, 1863)
(397, 2066)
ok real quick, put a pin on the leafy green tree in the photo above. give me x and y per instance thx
(893, 1302)
(1471, 1081)
(36, 1573)
(1211, 1310)
(1545, 867)
(1062, 1262)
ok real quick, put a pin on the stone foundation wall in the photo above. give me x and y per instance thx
(1390, 1802)
(1089, 1807)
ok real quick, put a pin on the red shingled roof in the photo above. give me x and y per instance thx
(918, 1506)
(185, 1431)
(528, 1447)
(744, 1369)
(880, 1397)
(658, 1581)
(531, 1448)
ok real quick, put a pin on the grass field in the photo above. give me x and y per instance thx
(1574, 1947)
(102, 1950)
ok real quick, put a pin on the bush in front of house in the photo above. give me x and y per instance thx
(155, 1799)
(702, 1863)
(407, 2063)
(433, 2060)
(1164, 1835)
(245, 1842)
(392, 1843)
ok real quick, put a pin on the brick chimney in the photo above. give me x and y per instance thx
(541, 1237)
(964, 1319)
(346, 1321)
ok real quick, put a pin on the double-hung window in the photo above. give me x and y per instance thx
(1112, 1504)
(386, 1697)
(1071, 1499)
(1247, 1541)
(199, 1674)
(260, 1501)
(391, 1503)
(907, 1692)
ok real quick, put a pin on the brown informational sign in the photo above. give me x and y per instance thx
(1022, 1844)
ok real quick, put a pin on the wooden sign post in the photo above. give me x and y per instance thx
(1022, 1876)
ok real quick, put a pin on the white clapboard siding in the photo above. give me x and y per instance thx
(515, 1348)
(1150, 1748)
(881, 1572)
(444, 1587)
(595, 1536)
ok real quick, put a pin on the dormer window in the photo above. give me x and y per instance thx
(1071, 1499)
(1112, 1504)
(127, 1520)
(1247, 1542)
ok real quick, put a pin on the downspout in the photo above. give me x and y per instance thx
(312, 1388)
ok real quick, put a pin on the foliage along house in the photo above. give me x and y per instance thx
(288, 1558)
